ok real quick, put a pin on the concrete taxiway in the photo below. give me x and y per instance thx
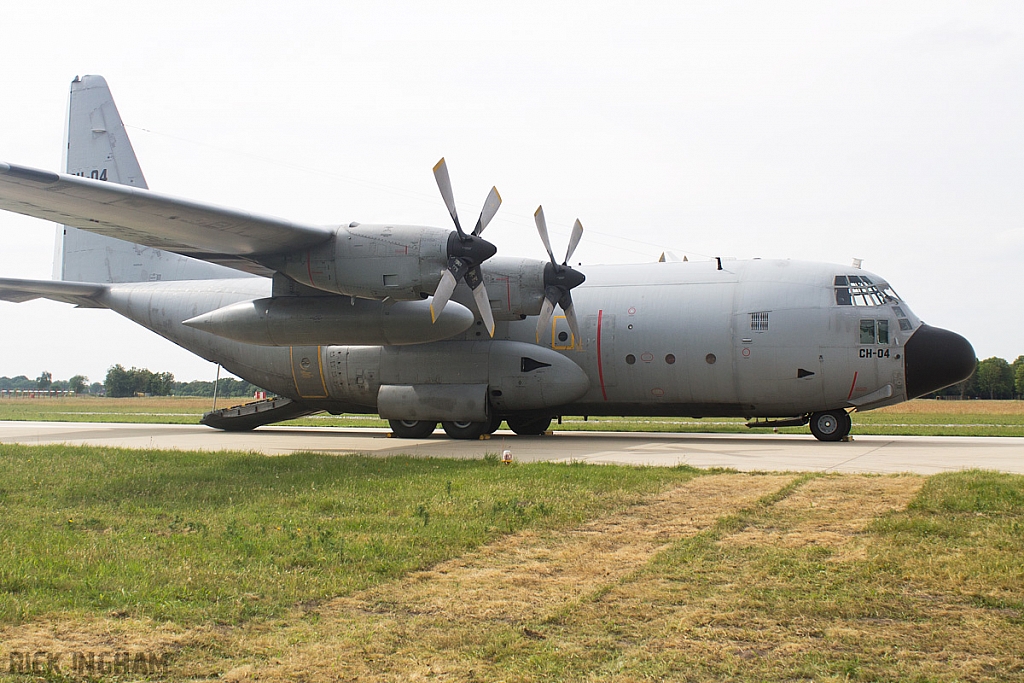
(756, 451)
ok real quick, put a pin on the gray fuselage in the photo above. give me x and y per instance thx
(752, 339)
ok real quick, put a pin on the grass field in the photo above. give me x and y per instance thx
(240, 567)
(919, 417)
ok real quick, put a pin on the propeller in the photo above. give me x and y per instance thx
(465, 252)
(559, 279)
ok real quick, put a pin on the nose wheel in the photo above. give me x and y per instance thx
(831, 425)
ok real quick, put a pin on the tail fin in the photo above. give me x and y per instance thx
(97, 146)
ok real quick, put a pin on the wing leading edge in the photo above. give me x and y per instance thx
(220, 235)
(83, 294)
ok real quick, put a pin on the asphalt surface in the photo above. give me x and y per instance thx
(756, 451)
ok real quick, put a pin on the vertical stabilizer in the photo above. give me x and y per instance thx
(98, 147)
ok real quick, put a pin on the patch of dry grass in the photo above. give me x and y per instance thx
(724, 577)
(801, 590)
(829, 512)
(922, 406)
(441, 619)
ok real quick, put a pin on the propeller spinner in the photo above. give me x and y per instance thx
(559, 280)
(465, 252)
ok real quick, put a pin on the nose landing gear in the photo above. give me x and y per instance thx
(831, 425)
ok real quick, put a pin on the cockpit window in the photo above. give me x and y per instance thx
(883, 331)
(859, 290)
(867, 331)
(874, 331)
(842, 291)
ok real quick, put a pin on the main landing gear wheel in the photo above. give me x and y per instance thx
(831, 425)
(465, 430)
(532, 426)
(494, 424)
(412, 429)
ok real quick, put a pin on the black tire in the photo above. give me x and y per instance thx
(831, 425)
(494, 425)
(412, 429)
(529, 426)
(465, 430)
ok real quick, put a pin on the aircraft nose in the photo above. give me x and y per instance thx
(936, 358)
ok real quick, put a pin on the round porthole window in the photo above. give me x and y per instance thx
(710, 358)
(563, 336)
(630, 359)
(670, 359)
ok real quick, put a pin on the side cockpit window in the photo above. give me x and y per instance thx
(882, 327)
(902, 319)
(874, 331)
(859, 290)
(867, 331)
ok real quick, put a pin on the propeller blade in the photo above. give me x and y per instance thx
(574, 325)
(547, 309)
(444, 183)
(491, 205)
(442, 294)
(574, 240)
(475, 280)
(542, 228)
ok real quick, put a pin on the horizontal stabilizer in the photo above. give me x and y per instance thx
(211, 233)
(82, 294)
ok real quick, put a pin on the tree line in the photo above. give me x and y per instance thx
(121, 382)
(45, 382)
(994, 378)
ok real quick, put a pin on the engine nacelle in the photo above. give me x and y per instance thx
(405, 263)
(328, 320)
(400, 262)
(515, 287)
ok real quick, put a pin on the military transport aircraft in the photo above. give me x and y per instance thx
(424, 325)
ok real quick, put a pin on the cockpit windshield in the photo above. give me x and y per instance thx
(859, 290)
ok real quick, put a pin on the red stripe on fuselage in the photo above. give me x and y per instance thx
(852, 386)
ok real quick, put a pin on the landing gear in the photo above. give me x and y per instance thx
(831, 425)
(494, 424)
(466, 430)
(529, 426)
(412, 429)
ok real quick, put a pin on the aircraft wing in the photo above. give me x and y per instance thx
(78, 293)
(226, 236)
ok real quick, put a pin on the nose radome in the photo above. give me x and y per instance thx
(936, 358)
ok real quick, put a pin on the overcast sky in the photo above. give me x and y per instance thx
(890, 132)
